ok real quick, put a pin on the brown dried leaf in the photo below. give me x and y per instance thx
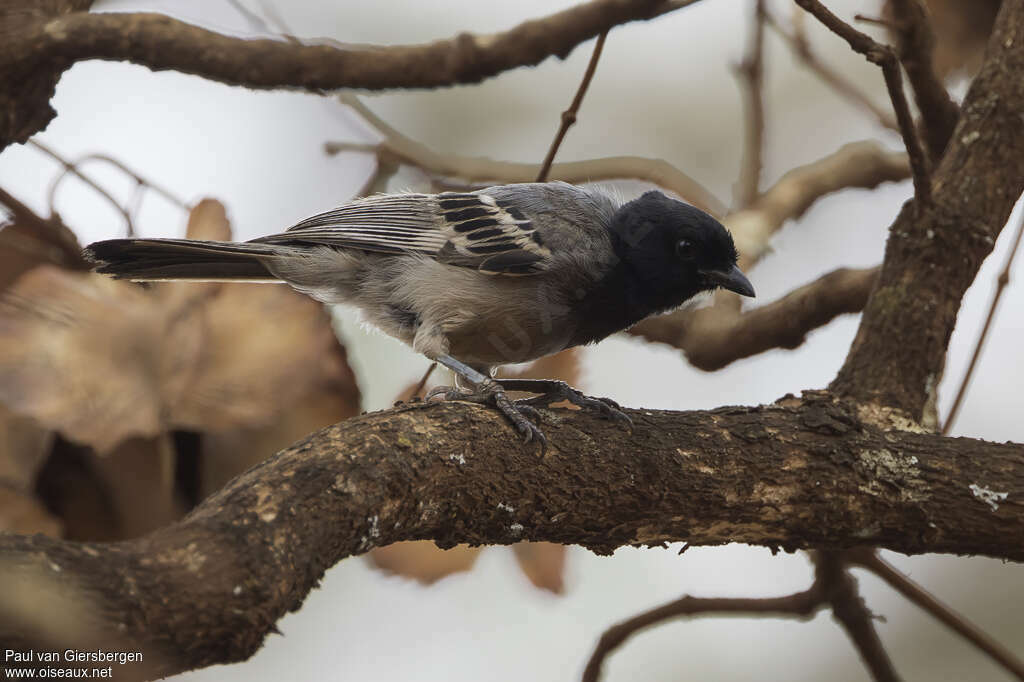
(225, 454)
(103, 360)
(208, 220)
(543, 563)
(422, 560)
(138, 479)
(97, 359)
(24, 445)
(20, 513)
(265, 347)
(24, 246)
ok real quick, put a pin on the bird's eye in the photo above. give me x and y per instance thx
(685, 249)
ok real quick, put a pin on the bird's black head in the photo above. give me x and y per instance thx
(674, 250)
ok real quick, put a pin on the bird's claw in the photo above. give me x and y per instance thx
(493, 394)
(559, 390)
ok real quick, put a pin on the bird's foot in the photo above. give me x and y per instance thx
(491, 393)
(553, 391)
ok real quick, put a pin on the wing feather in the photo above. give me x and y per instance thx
(466, 229)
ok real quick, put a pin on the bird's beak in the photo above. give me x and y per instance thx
(732, 279)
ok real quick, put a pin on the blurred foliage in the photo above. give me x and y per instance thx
(122, 405)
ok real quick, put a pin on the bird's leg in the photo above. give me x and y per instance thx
(491, 392)
(553, 391)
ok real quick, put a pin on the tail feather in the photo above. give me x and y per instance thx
(168, 259)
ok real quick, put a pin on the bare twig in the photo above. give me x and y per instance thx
(850, 611)
(471, 170)
(569, 115)
(797, 40)
(751, 70)
(916, 44)
(70, 167)
(800, 605)
(140, 180)
(885, 57)
(870, 560)
(418, 390)
(1001, 282)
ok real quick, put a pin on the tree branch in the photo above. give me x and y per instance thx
(569, 115)
(801, 605)
(712, 338)
(870, 560)
(849, 610)
(159, 42)
(799, 474)
(751, 71)
(916, 44)
(474, 170)
(885, 57)
(862, 165)
(934, 252)
(797, 41)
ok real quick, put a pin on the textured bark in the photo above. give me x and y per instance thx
(800, 474)
(935, 248)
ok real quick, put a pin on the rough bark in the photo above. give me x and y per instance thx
(935, 248)
(798, 474)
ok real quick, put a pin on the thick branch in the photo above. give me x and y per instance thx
(712, 338)
(40, 45)
(803, 474)
(934, 251)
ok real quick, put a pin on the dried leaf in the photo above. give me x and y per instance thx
(20, 513)
(97, 359)
(543, 563)
(138, 479)
(22, 247)
(208, 220)
(422, 560)
(225, 454)
(24, 445)
(103, 360)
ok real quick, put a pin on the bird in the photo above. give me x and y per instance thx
(478, 279)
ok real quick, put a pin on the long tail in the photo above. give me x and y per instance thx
(164, 259)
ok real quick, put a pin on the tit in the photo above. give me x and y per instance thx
(479, 279)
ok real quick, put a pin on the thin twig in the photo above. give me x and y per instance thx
(1001, 282)
(798, 605)
(423, 382)
(70, 167)
(472, 170)
(569, 115)
(885, 57)
(751, 70)
(134, 175)
(916, 43)
(871, 561)
(797, 40)
(850, 611)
